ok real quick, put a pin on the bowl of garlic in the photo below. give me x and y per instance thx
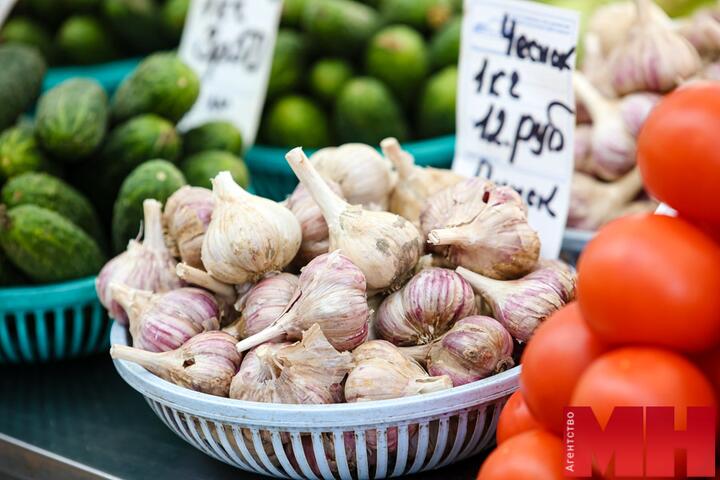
(348, 332)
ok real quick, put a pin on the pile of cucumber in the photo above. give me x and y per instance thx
(359, 71)
(82, 32)
(73, 175)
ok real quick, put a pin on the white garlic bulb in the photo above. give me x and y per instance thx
(483, 227)
(653, 57)
(610, 23)
(248, 235)
(383, 245)
(307, 372)
(415, 184)
(187, 215)
(364, 176)
(702, 30)
(593, 203)
(146, 266)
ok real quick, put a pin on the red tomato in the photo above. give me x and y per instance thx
(640, 377)
(533, 455)
(709, 363)
(555, 357)
(515, 418)
(654, 280)
(678, 153)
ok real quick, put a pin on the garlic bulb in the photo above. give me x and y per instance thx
(475, 348)
(315, 236)
(331, 293)
(380, 379)
(635, 109)
(307, 372)
(593, 67)
(383, 245)
(521, 305)
(482, 227)
(248, 236)
(612, 145)
(653, 57)
(612, 22)
(205, 363)
(425, 308)
(146, 266)
(364, 176)
(164, 321)
(386, 351)
(187, 216)
(224, 294)
(415, 184)
(593, 202)
(582, 155)
(264, 303)
(702, 30)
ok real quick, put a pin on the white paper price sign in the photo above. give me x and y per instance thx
(515, 110)
(229, 44)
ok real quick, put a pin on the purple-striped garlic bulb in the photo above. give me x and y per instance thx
(264, 303)
(653, 56)
(306, 372)
(382, 379)
(702, 30)
(582, 155)
(475, 348)
(635, 109)
(331, 293)
(225, 294)
(612, 144)
(483, 227)
(384, 246)
(415, 184)
(205, 363)
(522, 305)
(146, 266)
(248, 235)
(160, 322)
(315, 236)
(425, 308)
(187, 215)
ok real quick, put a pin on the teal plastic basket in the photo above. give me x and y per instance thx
(52, 322)
(109, 74)
(272, 177)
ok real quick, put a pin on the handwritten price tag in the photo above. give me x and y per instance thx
(229, 43)
(515, 110)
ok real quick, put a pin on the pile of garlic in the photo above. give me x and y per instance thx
(634, 54)
(323, 300)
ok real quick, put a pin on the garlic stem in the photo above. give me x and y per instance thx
(480, 283)
(265, 335)
(198, 277)
(643, 9)
(152, 227)
(130, 299)
(432, 384)
(402, 161)
(419, 353)
(225, 187)
(596, 104)
(628, 186)
(149, 360)
(330, 204)
(448, 236)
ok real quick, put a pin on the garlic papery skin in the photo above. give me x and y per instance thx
(224, 294)
(521, 305)
(264, 303)
(205, 363)
(307, 372)
(364, 176)
(612, 22)
(702, 30)
(248, 235)
(332, 294)
(653, 57)
(593, 203)
(146, 266)
(612, 145)
(383, 245)
(315, 236)
(187, 215)
(635, 109)
(425, 308)
(415, 184)
(497, 241)
(386, 351)
(160, 322)
(475, 348)
(380, 379)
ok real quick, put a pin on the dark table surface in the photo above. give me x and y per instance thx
(83, 411)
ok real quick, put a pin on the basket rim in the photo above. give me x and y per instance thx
(312, 417)
(49, 288)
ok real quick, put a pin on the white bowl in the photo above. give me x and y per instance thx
(359, 440)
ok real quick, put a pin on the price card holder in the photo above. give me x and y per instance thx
(229, 44)
(516, 108)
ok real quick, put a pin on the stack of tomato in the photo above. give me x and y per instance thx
(645, 330)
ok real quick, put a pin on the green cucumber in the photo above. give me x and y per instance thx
(83, 40)
(218, 135)
(20, 152)
(201, 167)
(21, 75)
(9, 275)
